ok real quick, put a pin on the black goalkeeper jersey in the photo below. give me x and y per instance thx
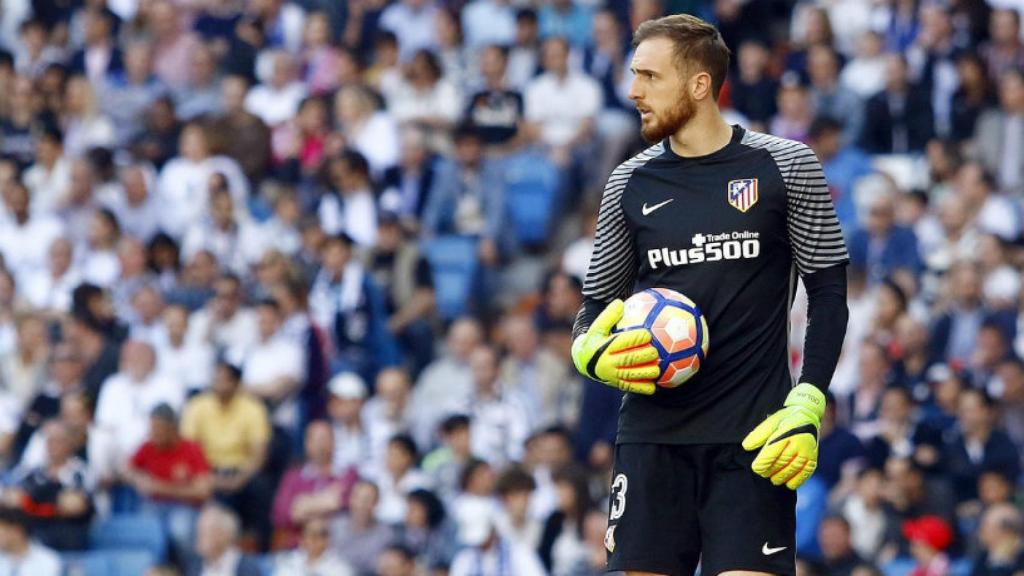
(730, 230)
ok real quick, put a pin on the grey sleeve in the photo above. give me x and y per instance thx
(814, 233)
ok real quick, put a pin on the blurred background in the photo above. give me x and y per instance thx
(287, 286)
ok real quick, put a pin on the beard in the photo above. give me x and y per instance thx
(658, 127)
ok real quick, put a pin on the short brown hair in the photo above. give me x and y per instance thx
(695, 41)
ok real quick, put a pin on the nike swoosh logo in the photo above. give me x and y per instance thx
(769, 551)
(648, 209)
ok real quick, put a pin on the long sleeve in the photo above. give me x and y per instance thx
(613, 265)
(826, 324)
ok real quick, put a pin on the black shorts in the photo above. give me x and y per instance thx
(673, 506)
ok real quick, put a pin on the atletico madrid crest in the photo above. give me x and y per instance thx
(743, 193)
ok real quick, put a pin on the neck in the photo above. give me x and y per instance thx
(18, 548)
(707, 132)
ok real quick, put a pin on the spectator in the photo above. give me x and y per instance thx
(23, 371)
(350, 207)
(249, 144)
(274, 367)
(423, 96)
(828, 97)
(488, 553)
(407, 185)
(977, 445)
(997, 134)
(19, 552)
(524, 54)
(403, 272)
(188, 362)
(366, 129)
(26, 235)
(346, 302)
(955, 332)
(929, 536)
(157, 142)
(388, 413)
(314, 491)
(224, 323)
(127, 398)
(314, 557)
(320, 60)
(185, 180)
(514, 488)
(84, 126)
(837, 550)
(412, 21)
(200, 95)
(754, 90)
(234, 431)
(100, 57)
(561, 547)
(467, 197)
(972, 97)
(489, 22)
(173, 476)
(561, 105)
(865, 515)
(496, 109)
(795, 111)
(48, 179)
(1000, 539)
(899, 118)
(445, 463)
(358, 536)
(56, 495)
(499, 421)
(1005, 49)
(909, 495)
(126, 96)
(426, 531)
(352, 441)
(864, 74)
(883, 247)
(396, 560)
(538, 376)
(217, 532)
(566, 19)
(398, 477)
(277, 100)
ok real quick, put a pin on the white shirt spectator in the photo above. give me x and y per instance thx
(141, 221)
(393, 505)
(24, 248)
(183, 189)
(274, 359)
(275, 105)
(408, 104)
(865, 77)
(377, 139)
(355, 214)
(190, 364)
(238, 332)
(353, 448)
(236, 249)
(297, 562)
(1000, 216)
(37, 561)
(124, 406)
(503, 559)
(499, 426)
(48, 186)
(561, 106)
(489, 22)
(414, 27)
(101, 267)
(82, 134)
(45, 292)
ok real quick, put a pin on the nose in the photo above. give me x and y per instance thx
(634, 91)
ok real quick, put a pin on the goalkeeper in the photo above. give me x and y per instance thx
(733, 219)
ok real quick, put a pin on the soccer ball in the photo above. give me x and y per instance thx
(680, 333)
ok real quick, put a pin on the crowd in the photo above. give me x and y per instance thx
(296, 278)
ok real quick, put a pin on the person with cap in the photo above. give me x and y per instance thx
(929, 537)
(19, 553)
(1000, 538)
(487, 553)
(352, 442)
(233, 429)
(173, 476)
(315, 489)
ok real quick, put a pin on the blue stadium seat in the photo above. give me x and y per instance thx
(130, 562)
(453, 262)
(531, 190)
(130, 532)
(898, 567)
(86, 564)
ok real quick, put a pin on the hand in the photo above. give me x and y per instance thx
(788, 439)
(626, 360)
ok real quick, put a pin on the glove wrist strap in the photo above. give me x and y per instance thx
(807, 396)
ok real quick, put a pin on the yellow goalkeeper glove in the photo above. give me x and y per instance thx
(626, 360)
(788, 439)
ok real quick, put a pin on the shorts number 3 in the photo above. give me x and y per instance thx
(618, 496)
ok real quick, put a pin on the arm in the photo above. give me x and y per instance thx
(826, 324)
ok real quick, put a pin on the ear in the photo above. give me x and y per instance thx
(700, 86)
